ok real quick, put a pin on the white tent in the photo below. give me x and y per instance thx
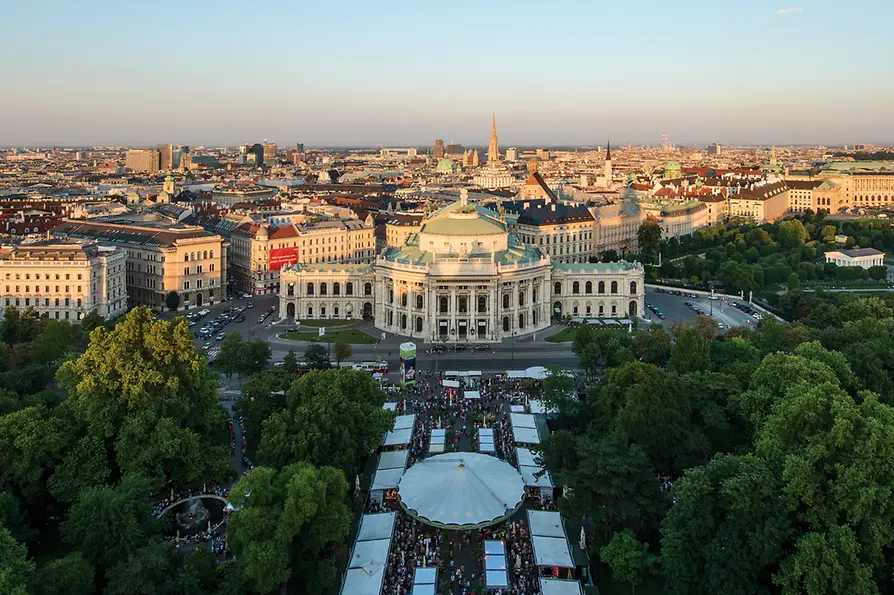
(556, 586)
(403, 422)
(471, 394)
(494, 547)
(438, 439)
(376, 526)
(385, 479)
(552, 551)
(546, 523)
(398, 438)
(522, 420)
(393, 459)
(525, 436)
(461, 490)
(390, 406)
(517, 408)
(450, 383)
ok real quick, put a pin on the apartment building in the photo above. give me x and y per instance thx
(564, 232)
(161, 259)
(257, 252)
(399, 227)
(64, 280)
(763, 202)
(143, 160)
(801, 195)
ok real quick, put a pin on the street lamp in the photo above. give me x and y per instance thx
(513, 350)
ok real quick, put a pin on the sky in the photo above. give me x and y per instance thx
(395, 72)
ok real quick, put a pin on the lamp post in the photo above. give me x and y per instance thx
(513, 350)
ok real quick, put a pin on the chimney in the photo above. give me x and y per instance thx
(553, 205)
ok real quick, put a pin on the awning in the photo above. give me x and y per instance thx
(471, 394)
(376, 526)
(386, 479)
(393, 459)
(522, 420)
(552, 551)
(546, 523)
(525, 435)
(555, 586)
(450, 383)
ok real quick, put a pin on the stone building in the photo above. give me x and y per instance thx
(464, 277)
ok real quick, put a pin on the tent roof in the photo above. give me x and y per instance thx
(525, 457)
(525, 435)
(552, 551)
(425, 576)
(546, 523)
(386, 479)
(522, 420)
(482, 432)
(403, 422)
(471, 394)
(398, 438)
(390, 406)
(364, 581)
(376, 526)
(423, 589)
(496, 578)
(555, 586)
(495, 562)
(461, 490)
(370, 552)
(393, 459)
(529, 475)
(494, 547)
(451, 383)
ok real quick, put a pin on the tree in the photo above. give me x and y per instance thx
(628, 558)
(15, 519)
(71, 575)
(84, 466)
(791, 233)
(232, 351)
(290, 362)
(172, 301)
(262, 395)
(315, 357)
(653, 346)
(147, 366)
(560, 392)
(729, 509)
(333, 417)
(153, 568)
(826, 563)
(255, 357)
(15, 567)
(32, 441)
(341, 351)
(648, 236)
(691, 351)
(284, 523)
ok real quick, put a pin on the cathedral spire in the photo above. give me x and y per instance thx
(493, 150)
(608, 151)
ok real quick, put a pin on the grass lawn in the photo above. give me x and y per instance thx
(350, 336)
(318, 323)
(565, 335)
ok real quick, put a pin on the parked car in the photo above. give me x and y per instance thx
(206, 346)
(220, 337)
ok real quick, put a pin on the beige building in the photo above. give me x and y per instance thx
(399, 228)
(143, 160)
(463, 278)
(161, 259)
(763, 202)
(257, 252)
(677, 219)
(862, 257)
(563, 232)
(801, 195)
(717, 208)
(616, 227)
(64, 281)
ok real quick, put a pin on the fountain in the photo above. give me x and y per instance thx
(191, 519)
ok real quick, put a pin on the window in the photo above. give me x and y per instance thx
(521, 320)
(403, 300)
(614, 287)
(589, 287)
(349, 288)
(291, 290)
(463, 304)
(419, 301)
(575, 287)
(310, 289)
(367, 289)
(482, 304)
(323, 290)
(390, 295)
(185, 257)
(310, 311)
(418, 324)
(557, 288)
(521, 298)
(205, 254)
(633, 288)
(505, 324)
(186, 285)
(601, 287)
(505, 301)
(186, 270)
(322, 310)
(336, 289)
(442, 304)
(403, 321)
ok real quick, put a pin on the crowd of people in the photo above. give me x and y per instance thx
(246, 463)
(412, 546)
(523, 573)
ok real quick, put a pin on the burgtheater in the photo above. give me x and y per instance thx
(463, 278)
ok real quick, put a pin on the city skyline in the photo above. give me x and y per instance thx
(367, 76)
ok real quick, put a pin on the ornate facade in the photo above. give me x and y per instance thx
(463, 278)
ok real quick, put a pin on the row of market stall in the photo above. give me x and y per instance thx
(369, 556)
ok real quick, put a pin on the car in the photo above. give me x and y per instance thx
(246, 296)
(720, 326)
(240, 319)
(191, 323)
(260, 320)
(713, 297)
(220, 337)
(206, 346)
(250, 305)
(660, 315)
(482, 347)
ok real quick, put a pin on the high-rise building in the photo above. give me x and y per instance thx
(454, 150)
(437, 151)
(511, 154)
(165, 157)
(142, 160)
(493, 149)
(714, 149)
(300, 147)
(257, 150)
(269, 151)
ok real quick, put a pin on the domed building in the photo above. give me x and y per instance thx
(673, 171)
(464, 277)
(445, 166)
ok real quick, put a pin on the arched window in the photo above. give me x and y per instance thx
(614, 287)
(291, 291)
(575, 287)
(390, 295)
(633, 288)
(418, 324)
(557, 288)
(442, 303)
(349, 288)
(205, 254)
(403, 300)
(505, 324)
(185, 256)
(589, 287)
(403, 321)
(310, 311)
(310, 289)
(324, 289)
(521, 320)
(482, 304)
(534, 317)
(323, 311)
(419, 301)
(390, 317)
(601, 287)
(336, 288)
(335, 311)
(521, 298)
(505, 301)
(367, 289)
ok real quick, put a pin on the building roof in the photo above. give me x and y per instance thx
(860, 252)
(458, 219)
(762, 191)
(594, 267)
(554, 213)
(161, 237)
(803, 184)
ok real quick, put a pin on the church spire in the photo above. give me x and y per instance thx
(493, 150)
(608, 151)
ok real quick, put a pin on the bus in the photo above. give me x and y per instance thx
(370, 367)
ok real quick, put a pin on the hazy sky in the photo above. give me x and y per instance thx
(406, 72)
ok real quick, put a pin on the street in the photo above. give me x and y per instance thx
(675, 309)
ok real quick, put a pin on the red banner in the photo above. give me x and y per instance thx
(280, 257)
